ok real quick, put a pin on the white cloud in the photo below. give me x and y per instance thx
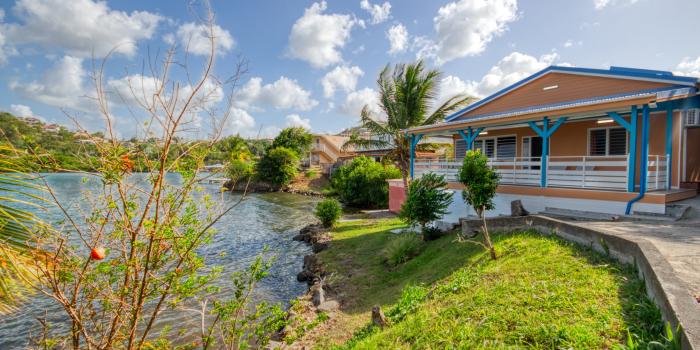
(80, 27)
(294, 120)
(689, 67)
(465, 27)
(196, 37)
(284, 93)
(317, 37)
(61, 86)
(21, 110)
(133, 89)
(240, 121)
(452, 85)
(398, 38)
(510, 69)
(568, 43)
(356, 100)
(380, 13)
(601, 4)
(341, 77)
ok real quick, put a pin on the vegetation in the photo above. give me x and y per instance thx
(401, 249)
(480, 182)
(230, 148)
(407, 96)
(278, 166)
(296, 139)
(328, 211)
(542, 292)
(362, 183)
(239, 170)
(17, 272)
(427, 201)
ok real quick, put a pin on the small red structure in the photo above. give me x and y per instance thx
(397, 195)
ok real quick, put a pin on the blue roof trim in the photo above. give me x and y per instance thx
(631, 73)
(667, 91)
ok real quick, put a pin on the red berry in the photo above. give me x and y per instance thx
(97, 253)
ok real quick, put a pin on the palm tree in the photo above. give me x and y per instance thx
(406, 96)
(16, 228)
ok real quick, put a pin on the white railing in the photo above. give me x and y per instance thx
(602, 172)
(327, 150)
(594, 172)
(657, 171)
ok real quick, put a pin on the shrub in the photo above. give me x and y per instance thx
(296, 139)
(480, 182)
(278, 166)
(362, 183)
(311, 173)
(401, 249)
(239, 170)
(328, 211)
(427, 200)
(431, 233)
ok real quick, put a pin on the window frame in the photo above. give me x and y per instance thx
(495, 144)
(607, 141)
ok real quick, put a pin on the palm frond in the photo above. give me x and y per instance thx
(450, 106)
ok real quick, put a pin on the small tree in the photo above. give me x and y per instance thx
(328, 211)
(239, 170)
(427, 200)
(278, 166)
(480, 182)
(297, 139)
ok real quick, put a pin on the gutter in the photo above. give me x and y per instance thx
(644, 160)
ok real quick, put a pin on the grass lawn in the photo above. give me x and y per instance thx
(542, 292)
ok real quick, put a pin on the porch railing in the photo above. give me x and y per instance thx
(594, 172)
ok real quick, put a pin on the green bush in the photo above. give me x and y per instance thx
(427, 200)
(401, 249)
(362, 183)
(311, 173)
(328, 211)
(431, 233)
(278, 166)
(239, 170)
(296, 139)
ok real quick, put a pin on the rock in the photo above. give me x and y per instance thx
(517, 209)
(320, 246)
(305, 276)
(378, 317)
(318, 296)
(444, 226)
(299, 237)
(328, 306)
(273, 345)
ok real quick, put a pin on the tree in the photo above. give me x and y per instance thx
(406, 97)
(230, 148)
(328, 211)
(362, 183)
(295, 138)
(480, 182)
(17, 227)
(278, 166)
(427, 200)
(239, 170)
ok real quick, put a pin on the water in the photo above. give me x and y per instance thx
(269, 219)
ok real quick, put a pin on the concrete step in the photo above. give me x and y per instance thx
(578, 214)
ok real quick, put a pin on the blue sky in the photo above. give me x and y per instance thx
(315, 64)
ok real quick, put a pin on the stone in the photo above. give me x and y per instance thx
(320, 246)
(328, 306)
(378, 317)
(305, 276)
(318, 296)
(517, 209)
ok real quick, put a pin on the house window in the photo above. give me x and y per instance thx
(497, 147)
(607, 141)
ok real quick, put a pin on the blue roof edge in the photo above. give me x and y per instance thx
(614, 71)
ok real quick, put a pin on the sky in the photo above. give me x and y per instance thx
(315, 64)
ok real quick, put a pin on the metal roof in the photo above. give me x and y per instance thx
(614, 72)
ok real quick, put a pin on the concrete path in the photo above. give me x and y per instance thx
(678, 242)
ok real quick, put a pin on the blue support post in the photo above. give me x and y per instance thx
(669, 145)
(631, 127)
(414, 142)
(545, 133)
(470, 136)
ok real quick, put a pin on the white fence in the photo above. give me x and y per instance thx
(595, 172)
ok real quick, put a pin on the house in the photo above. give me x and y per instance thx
(51, 128)
(32, 121)
(326, 150)
(617, 141)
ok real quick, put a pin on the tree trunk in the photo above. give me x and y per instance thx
(487, 237)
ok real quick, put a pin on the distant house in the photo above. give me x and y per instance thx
(326, 150)
(32, 121)
(612, 141)
(51, 128)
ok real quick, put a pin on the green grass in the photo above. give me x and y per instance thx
(542, 292)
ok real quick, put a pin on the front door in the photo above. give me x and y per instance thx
(532, 149)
